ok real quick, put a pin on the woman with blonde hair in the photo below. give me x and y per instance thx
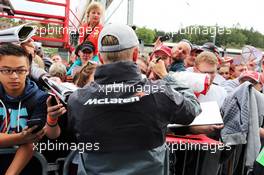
(90, 30)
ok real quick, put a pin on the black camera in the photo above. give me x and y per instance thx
(165, 38)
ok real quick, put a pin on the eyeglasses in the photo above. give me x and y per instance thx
(224, 73)
(11, 71)
(207, 72)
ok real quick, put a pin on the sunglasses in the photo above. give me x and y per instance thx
(87, 51)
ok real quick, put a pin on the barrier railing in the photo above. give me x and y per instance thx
(37, 155)
(234, 165)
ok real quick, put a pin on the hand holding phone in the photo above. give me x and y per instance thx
(53, 100)
(36, 122)
(55, 108)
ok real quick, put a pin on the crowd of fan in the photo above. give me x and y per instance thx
(224, 78)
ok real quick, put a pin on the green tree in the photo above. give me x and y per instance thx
(236, 38)
(147, 35)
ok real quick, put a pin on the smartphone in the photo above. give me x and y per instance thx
(165, 38)
(36, 122)
(53, 99)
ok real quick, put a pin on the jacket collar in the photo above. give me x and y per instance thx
(121, 71)
(177, 66)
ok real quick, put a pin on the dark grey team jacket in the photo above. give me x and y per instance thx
(123, 112)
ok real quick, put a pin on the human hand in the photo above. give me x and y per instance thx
(205, 129)
(157, 43)
(251, 64)
(261, 132)
(29, 47)
(55, 111)
(158, 67)
(27, 135)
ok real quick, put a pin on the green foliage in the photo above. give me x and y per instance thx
(227, 37)
(147, 35)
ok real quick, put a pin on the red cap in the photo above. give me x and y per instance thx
(251, 74)
(228, 59)
(164, 49)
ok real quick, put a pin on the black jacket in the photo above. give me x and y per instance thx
(123, 112)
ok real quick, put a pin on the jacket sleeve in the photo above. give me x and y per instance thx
(37, 72)
(186, 106)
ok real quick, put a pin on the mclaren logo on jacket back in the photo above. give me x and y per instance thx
(103, 101)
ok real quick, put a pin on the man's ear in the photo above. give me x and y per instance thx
(100, 58)
(135, 54)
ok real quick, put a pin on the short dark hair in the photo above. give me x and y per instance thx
(9, 49)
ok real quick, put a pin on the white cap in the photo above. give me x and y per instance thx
(125, 35)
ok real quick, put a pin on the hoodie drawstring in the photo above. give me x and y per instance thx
(18, 117)
(5, 115)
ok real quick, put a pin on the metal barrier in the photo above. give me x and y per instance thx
(179, 157)
(40, 157)
(234, 165)
(68, 161)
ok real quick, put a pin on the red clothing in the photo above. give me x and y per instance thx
(93, 34)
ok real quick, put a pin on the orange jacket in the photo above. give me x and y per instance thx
(93, 34)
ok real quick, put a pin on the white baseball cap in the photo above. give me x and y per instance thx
(125, 35)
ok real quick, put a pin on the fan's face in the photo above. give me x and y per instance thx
(85, 56)
(94, 16)
(13, 73)
(204, 67)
